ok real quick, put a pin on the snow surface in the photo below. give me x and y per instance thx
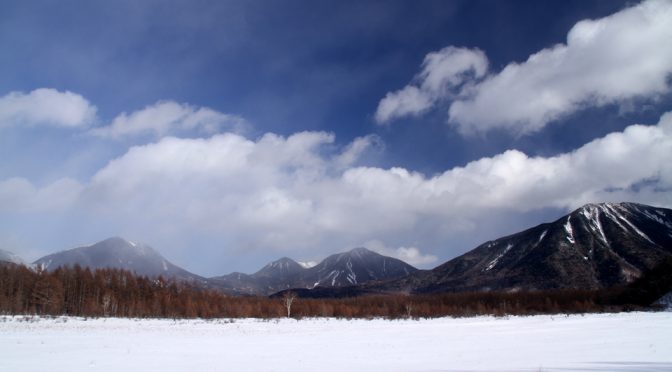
(597, 342)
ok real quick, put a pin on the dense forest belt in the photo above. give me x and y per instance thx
(117, 293)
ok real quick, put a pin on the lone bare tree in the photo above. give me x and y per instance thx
(409, 309)
(287, 300)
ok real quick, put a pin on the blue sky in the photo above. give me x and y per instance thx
(227, 134)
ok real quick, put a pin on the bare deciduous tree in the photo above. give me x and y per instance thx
(287, 300)
(409, 309)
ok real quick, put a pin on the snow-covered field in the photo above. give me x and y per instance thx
(602, 342)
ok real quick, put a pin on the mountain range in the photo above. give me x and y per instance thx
(354, 267)
(595, 246)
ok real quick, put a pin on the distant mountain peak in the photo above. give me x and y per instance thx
(121, 243)
(361, 251)
(115, 240)
(357, 266)
(283, 261)
(281, 267)
(358, 253)
(117, 252)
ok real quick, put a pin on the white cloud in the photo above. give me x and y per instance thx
(442, 72)
(450, 67)
(516, 181)
(20, 195)
(356, 149)
(612, 60)
(47, 107)
(307, 264)
(292, 195)
(15, 193)
(278, 192)
(411, 255)
(168, 117)
(410, 100)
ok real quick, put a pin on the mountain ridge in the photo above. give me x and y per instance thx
(356, 266)
(595, 246)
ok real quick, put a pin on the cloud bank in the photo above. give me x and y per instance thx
(611, 60)
(296, 193)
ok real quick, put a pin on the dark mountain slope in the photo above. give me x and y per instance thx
(596, 246)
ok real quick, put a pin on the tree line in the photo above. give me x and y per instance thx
(78, 291)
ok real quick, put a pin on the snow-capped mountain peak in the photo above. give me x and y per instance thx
(279, 268)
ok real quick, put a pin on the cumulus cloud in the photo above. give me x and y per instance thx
(516, 181)
(169, 117)
(292, 194)
(224, 183)
(46, 107)
(442, 72)
(611, 60)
